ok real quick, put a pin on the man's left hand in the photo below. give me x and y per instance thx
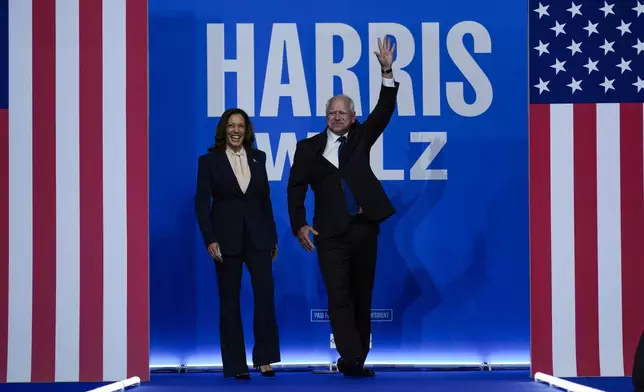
(274, 253)
(385, 54)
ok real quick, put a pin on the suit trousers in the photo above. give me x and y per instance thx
(229, 277)
(348, 267)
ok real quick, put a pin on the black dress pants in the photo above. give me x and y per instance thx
(229, 276)
(348, 267)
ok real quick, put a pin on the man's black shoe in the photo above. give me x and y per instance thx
(353, 369)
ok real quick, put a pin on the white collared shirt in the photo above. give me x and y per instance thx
(332, 146)
(239, 163)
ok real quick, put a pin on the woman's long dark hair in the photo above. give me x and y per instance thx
(222, 126)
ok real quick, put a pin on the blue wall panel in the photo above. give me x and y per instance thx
(452, 280)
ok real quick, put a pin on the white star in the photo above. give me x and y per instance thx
(608, 9)
(542, 48)
(558, 66)
(624, 28)
(574, 10)
(639, 9)
(542, 86)
(542, 10)
(592, 66)
(591, 28)
(558, 28)
(608, 84)
(574, 47)
(639, 46)
(639, 84)
(575, 85)
(607, 46)
(624, 65)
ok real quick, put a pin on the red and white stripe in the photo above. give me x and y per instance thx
(586, 237)
(75, 204)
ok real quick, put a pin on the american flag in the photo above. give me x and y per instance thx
(586, 185)
(73, 190)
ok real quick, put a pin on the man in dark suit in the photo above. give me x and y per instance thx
(350, 203)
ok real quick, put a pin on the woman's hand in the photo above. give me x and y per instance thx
(215, 252)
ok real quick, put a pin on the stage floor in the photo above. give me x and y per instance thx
(494, 381)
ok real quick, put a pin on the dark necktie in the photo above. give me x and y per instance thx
(352, 204)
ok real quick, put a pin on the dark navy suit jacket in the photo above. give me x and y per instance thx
(223, 209)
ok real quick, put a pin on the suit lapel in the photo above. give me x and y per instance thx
(253, 165)
(227, 170)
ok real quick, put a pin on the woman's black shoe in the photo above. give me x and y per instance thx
(267, 373)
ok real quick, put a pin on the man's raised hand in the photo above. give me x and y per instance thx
(385, 53)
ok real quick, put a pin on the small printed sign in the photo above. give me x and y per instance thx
(377, 315)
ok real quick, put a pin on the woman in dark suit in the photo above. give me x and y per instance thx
(235, 216)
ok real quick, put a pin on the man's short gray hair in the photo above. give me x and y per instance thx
(348, 98)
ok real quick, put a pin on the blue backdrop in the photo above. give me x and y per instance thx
(452, 280)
